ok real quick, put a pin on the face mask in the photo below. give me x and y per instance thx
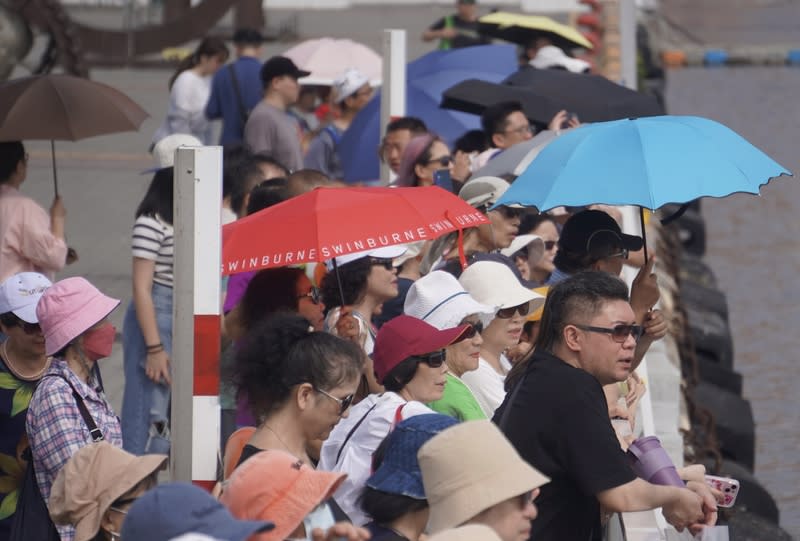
(98, 342)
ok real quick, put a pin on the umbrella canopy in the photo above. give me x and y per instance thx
(426, 80)
(646, 161)
(515, 159)
(64, 108)
(523, 29)
(329, 222)
(328, 58)
(474, 96)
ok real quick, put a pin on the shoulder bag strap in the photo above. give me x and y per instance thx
(96, 433)
(352, 431)
(236, 90)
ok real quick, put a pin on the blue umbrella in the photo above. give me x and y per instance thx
(426, 78)
(647, 162)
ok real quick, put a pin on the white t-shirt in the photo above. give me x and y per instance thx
(379, 413)
(487, 385)
(187, 105)
(153, 240)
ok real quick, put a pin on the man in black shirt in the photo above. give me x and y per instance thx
(556, 416)
(458, 30)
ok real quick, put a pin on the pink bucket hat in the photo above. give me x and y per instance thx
(68, 308)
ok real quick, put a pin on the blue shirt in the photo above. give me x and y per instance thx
(222, 102)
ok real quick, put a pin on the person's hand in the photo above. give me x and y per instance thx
(694, 472)
(347, 326)
(557, 121)
(157, 367)
(57, 210)
(340, 531)
(686, 510)
(704, 492)
(518, 352)
(636, 390)
(72, 255)
(448, 33)
(461, 166)
(655, 325)
(644, 290)
(573, 121)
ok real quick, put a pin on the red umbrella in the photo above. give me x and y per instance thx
(329, 222)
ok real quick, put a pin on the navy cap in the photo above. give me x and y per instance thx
(596, 233)
(399, 473)
(175, 509)
(278, 66)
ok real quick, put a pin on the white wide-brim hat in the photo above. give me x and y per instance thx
(439, 300)
(533, 243)
(493, 283)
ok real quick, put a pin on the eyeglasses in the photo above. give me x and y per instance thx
(434, 360)
(508, 313)
(549, 244)
(444, 161)
(619, 333)
(470, 332)
(314, 294)
(385, 262)
(623, 253)
(344, 403)
(599, 242)
(522, 130)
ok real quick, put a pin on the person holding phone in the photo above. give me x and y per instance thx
(426, 161)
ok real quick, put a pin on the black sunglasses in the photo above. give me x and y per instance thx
(14, 321)
(549, 245)
(470, 332)
(344, 403)
(444, 161)
(508, 313)
(385, 262)
(434, 360)
(314, 294)
(619, 333)
(509, 213)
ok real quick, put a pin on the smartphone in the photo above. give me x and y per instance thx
(441, 178)
(728, 486)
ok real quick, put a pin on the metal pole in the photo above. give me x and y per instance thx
(393, 90)
(196, 315)
(628, 51)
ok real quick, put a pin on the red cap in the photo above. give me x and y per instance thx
(406, 336)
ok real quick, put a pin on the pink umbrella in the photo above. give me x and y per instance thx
(328, 58)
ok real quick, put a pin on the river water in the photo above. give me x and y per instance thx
(754, 249)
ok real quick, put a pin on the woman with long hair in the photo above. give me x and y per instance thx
(189, 89)
(147, 329)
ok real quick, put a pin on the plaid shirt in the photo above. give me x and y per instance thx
(56, 429)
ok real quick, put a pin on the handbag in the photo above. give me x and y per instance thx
(32, 520)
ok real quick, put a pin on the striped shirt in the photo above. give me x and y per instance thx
(56, 429)
(153, 240)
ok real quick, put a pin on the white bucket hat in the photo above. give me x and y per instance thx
(385, 252)
(551, 56)
(533, 243)
(20, 294)
(469, 468)
(493, 283)
(438, 299)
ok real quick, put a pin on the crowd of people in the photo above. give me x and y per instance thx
(450, 390)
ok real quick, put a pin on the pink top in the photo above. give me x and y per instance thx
(26, 243)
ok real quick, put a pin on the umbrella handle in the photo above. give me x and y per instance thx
(644, 233)
(55, 171)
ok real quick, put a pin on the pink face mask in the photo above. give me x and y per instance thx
(97, 343)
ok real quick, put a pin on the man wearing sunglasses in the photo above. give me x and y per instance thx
(556, 415)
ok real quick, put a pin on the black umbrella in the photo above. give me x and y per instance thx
(473, 96)
(592, 97)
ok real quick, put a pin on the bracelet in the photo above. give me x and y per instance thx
(151, 351)
(155, 347)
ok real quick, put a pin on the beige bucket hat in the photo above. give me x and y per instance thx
(96, 476)
(486, 471)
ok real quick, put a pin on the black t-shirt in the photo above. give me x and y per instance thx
(467, 31)
(382, 533)
(559, 423)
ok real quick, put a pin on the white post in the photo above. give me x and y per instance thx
(196, 315)
(628, 52)
(393, 90)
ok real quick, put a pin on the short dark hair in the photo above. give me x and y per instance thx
(232, 155)
(247, 176)
(411, 123)
(264, 158)
(495, 118)
(159, 197)
(530, 221)
(269, 192)
(399, 376)
(304, 180)
(11, 153)
(471, 141)
(385, 508)
(270, 291)
(281, 352)
(353, 277)
(579, 297)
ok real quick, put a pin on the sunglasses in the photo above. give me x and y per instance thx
(549, 244)
(444, 161)
(619, 333)
(434, 360)
(599, 242)
(344, 403)
(509, 213)
(470, 332)
(508, 313)
(385, 262)
(314, 294)
(27, 328)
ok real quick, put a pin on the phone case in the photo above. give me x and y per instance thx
(728, 486)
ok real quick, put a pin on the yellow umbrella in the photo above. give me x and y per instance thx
(521, 29)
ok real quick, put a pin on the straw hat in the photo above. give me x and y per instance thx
(470, 532)
(469, 468)
(274, 485)
(439, 300)
(96, 476)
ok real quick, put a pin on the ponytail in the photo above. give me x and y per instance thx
(210, 46)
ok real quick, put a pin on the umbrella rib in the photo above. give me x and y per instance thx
(73, 137)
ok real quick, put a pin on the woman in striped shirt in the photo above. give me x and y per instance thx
(147, 331)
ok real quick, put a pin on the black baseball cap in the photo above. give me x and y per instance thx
(248, 36)
(595, 232)
(278, 66)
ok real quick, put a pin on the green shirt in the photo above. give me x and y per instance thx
(458, 402)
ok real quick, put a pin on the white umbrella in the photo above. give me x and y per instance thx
(328, 58)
